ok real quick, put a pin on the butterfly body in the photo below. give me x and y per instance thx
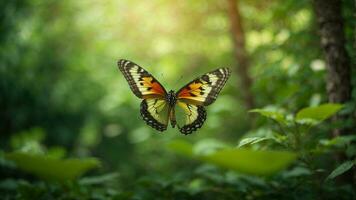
(171, 98)
(158, 107)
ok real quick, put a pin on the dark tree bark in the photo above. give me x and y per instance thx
(241, 55)
(331, 27)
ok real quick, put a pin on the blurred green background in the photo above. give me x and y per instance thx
(61, 92)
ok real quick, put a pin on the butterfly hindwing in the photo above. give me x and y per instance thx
(194, 117)
(155, 112)
(142, 83)
(205, 89)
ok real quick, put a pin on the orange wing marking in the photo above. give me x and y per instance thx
(192, 90)
(151, 86)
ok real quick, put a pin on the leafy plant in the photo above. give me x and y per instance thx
(241, 160)
(50, 168)
(296, 131)
(347, 165)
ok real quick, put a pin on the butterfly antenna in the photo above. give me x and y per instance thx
(162, 77)
(180, 78)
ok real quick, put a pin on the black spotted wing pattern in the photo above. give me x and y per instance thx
(142, 83)
(195, 116)
(155, 112)
(205, 89)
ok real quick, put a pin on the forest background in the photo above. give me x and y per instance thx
(283, 127)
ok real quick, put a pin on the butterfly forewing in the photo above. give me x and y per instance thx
(154, 108)
(205, 89)
(142, 83)
(155, 112)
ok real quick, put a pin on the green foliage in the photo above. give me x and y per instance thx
(294, 132)
(29, 141)
(241, 160)
(44, 190)
(274, 115)
(251, 161)
(99, 179)
(49, 168)
(61, 96)
(341, 169)
(318, 113)
(181, 147)
(252, 140)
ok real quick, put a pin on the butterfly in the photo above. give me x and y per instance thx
(158, 106)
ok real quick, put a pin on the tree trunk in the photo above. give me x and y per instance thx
(338, 83)
(241, 55)
(331, 25)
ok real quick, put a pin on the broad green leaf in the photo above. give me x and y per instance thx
(99, 179)
(181, 147)
(341, 169)
(50, 168)
(250, 161)
(296, 171)
(338, 141)
(251, 140)
(271, 115)
(318, 113)
(56, 152)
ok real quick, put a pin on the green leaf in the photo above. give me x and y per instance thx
(318, 113)
(241, 160)
(339, 141)
(296, 172)
(94, 180)
(50, 168)
(341, 169)
(271, 115)
(252, 140)
(181, 147)
(250, 161)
